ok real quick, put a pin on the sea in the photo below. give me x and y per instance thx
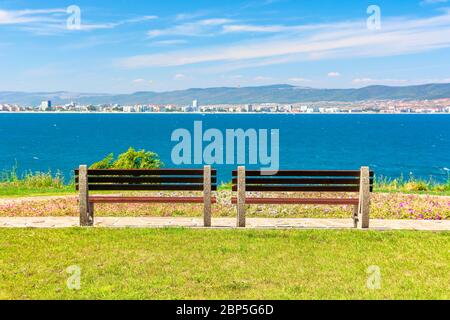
(393, 145)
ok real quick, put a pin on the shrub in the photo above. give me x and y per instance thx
(130, 159)
(106, 163)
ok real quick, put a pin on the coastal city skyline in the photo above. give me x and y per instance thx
(429, 98)
(323, 107)
(112, 47)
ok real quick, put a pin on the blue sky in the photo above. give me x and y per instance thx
(127, 46)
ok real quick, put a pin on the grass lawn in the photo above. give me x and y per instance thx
(223, 264)
(16, 190)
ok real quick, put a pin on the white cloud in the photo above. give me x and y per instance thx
(365, 81)
(205, 27)
(179, 76)
(111, 25)
(334, 74)
(54, 21)
(253, 28)
(345, 40)
(141, 82)
(241, 28)
(299, 80)
(170, 42)
(426, 2)
(28, 16)
(262, 78)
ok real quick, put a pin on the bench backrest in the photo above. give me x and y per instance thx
(303, 181)
(147, 179)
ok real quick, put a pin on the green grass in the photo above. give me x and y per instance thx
(223, 264)
(412, 186)
(33, 184)
(14, 191)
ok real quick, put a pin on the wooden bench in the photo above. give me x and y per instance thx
(87, 180)
(358, 181)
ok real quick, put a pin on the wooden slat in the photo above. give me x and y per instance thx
(269, 188)
(147, 187)
(121, 179)
(109, 199)
(304, 173)
(147, 172)
(250, 181)
(320, 201)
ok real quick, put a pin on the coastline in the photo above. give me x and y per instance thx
(228, 113)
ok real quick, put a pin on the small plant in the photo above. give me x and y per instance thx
(412, 185)
(131, 159)
(32, 183)
(416, 186)
(225, 186)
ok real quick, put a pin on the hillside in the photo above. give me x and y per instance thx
(274, 93)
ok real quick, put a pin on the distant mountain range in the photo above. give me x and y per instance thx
(226, 95)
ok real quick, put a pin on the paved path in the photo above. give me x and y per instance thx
(252, 223)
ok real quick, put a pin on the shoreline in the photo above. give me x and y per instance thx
(226, 113)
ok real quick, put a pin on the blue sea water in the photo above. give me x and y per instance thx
(392, 145)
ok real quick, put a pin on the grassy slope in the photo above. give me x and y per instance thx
(15, 192)
(223, 264)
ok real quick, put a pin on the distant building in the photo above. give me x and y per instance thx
(46, 105)
(129, 109)
(195, 106)
(304, 108)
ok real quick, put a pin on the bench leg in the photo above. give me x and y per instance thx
(364, 199)
(84, 196)
(241, 198)
(91, 214)
(355, 216)
(207, 196)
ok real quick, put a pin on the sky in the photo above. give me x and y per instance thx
(100, 46)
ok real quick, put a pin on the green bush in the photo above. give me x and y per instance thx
(130, 159)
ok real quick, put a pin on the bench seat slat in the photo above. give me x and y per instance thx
(316, 201)
(304, 173)
(147, 187)
(141, 179)
(146, 172)
(326, 181)
(279, 188)
(117, 199)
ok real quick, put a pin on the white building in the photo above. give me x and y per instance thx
(46, 105)
(195, 107)
(304, 108)
(129, 109)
